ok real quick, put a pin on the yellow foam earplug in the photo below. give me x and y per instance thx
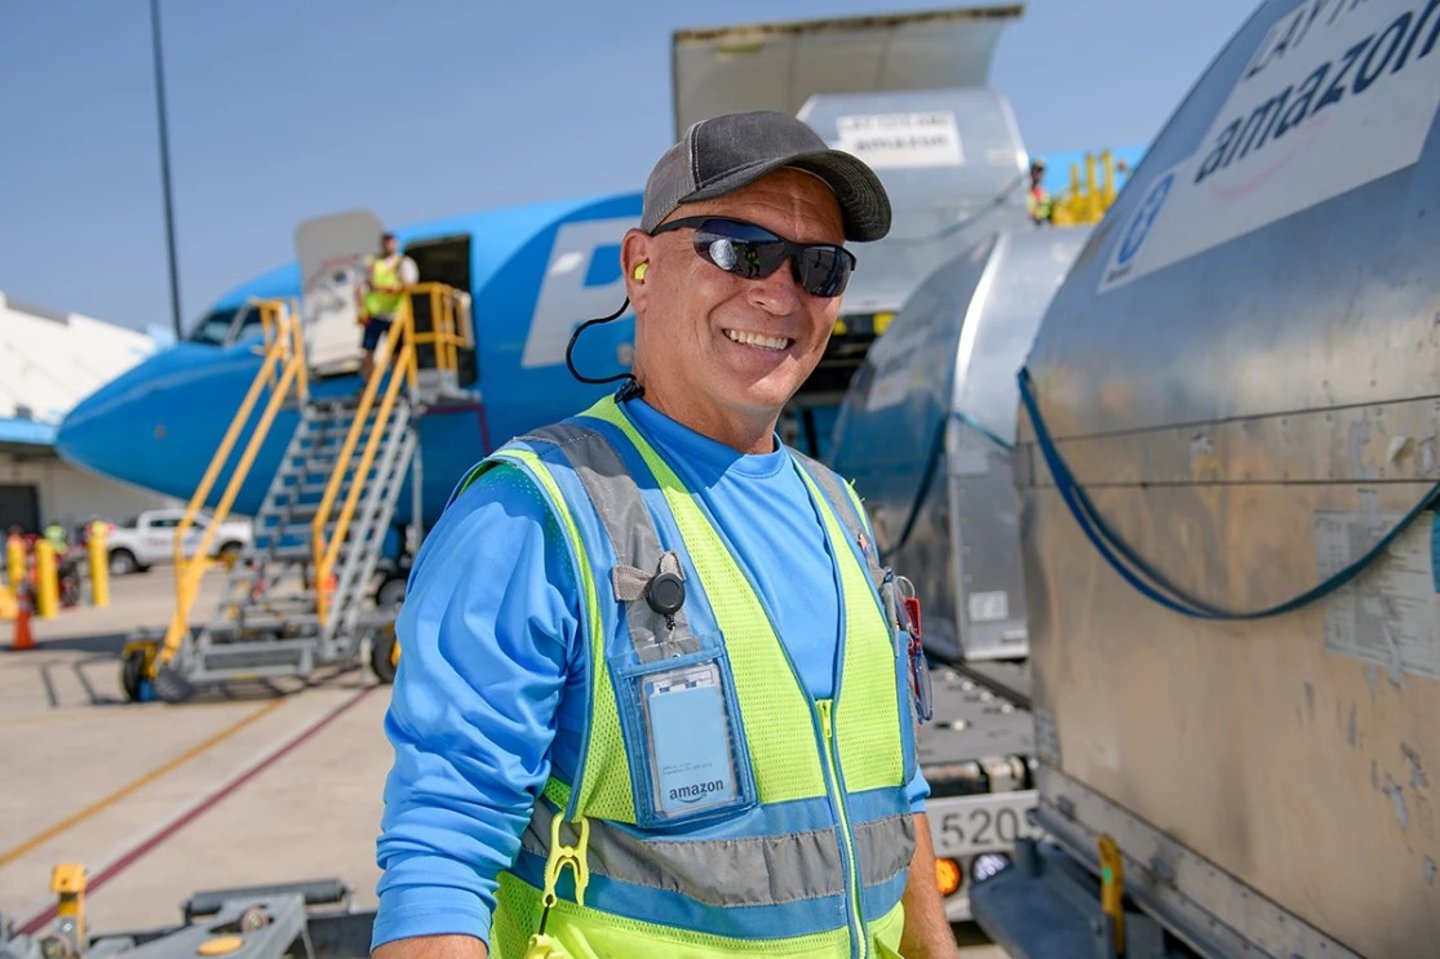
(640, 271)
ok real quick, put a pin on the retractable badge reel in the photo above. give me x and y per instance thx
(666, 595)
(915, 650)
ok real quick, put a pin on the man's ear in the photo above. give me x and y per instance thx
(635, 265)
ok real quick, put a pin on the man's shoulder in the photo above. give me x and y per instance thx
(553, 439)
(492, 476)
(544, 442)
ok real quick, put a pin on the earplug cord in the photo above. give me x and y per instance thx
(632, 388)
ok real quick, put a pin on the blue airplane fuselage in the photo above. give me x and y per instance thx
(535, 272)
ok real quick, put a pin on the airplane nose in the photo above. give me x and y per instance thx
(114, 430)
(158, 424)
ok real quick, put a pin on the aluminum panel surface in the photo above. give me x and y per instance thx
(1029, 267)
(1258, 324)
(946, 372)
(1223, 406)
(887, 429)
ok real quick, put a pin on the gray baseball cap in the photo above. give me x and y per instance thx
(721, 154)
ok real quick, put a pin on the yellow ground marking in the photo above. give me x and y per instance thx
(44, 836)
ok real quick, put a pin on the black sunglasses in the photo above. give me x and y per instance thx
(744, 249)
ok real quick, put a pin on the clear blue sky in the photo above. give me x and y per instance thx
(280, 110)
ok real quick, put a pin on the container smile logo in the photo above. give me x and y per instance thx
(1140, 225)
(1334, 96)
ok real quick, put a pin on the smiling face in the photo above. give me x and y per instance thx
(720, 353)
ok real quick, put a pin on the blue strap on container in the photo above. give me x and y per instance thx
(1148, 581)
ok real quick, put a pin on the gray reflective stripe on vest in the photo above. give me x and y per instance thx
(885, 847)
(844, 509)
(758, 871)
(621, 509)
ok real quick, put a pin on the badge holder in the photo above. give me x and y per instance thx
(681, 716)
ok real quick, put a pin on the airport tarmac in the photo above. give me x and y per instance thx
(259, 785)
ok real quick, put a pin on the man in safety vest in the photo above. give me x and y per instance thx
(387, 276)
(1038, 201)
(651, 702)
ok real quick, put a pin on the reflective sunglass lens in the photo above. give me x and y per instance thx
(743, 257)
(722, 254)
(752, 252)
(823, 271)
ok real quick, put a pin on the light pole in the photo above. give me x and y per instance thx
(165, 168)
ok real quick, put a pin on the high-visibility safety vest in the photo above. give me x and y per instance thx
(384, 271)
(814, 867)
(1039, 204)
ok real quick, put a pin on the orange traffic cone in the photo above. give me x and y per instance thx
(23, 638)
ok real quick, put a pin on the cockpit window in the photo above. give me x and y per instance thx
(214, 327)
(220, 327)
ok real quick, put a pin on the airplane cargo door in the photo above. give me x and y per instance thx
(445, 260)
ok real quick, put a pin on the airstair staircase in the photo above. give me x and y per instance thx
(299, 597)
(273, 619)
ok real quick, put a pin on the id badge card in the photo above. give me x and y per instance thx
(687, 725)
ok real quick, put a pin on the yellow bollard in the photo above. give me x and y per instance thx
(67, 882)
(47, 580)
(15, 561)
(99, 567)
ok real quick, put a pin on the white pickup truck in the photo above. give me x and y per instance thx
(142, 541)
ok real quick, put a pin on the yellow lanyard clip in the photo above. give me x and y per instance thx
(562, 856)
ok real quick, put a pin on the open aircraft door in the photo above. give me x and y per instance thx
(332, 250)
(778, 66)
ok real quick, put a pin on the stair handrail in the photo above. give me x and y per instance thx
(274, 326)
(283, 366)
(396, 366)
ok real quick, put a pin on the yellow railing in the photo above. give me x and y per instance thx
(1088, 203)
(449, 323)
(396, 365)
(273, 320)
(449, 332)
(282, 369)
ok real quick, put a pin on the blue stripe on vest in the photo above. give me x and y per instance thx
(877, 900)
(875, 804)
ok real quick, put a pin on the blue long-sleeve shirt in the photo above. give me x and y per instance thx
(490, 694)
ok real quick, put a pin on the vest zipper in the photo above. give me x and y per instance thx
(852, 880)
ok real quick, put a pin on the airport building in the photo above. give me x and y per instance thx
(49, 361)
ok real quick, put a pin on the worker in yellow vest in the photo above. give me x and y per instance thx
(653, 700)
(387, 276)
(1038, 200)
